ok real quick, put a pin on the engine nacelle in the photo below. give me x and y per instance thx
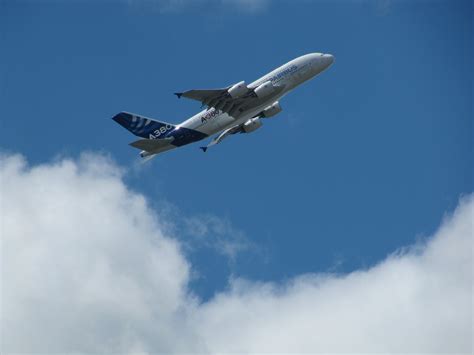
(251, 125)
(238, 90)
(271, 110)
(264, 89)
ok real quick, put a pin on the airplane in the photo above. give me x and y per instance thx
(237, 108)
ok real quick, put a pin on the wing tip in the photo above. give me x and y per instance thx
(204, 149)
(179, 94)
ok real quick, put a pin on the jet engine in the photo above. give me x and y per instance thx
(238, 90)
(251, 125)
(271, 110)
(264, 89)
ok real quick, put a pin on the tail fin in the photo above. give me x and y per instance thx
(142, 126)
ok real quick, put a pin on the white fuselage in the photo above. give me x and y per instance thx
(288, 76)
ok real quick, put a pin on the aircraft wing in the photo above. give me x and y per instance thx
(224, 134)
(220, 99)
(202, 95)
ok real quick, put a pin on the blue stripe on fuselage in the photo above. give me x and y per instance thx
(183, 136)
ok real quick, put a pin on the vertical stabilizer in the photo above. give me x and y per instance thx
(142, 126)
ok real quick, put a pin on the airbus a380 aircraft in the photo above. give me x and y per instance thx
(235, 109)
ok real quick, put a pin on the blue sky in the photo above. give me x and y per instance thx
(364, 159)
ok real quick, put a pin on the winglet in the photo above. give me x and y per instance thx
(179, 94)
(203, 149)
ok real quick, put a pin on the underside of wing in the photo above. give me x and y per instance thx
(202, 95)
(222, 135)
(232, 99)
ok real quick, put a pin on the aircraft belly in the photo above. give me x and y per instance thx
(216, 124)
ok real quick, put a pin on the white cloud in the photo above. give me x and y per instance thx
(85, 264)
(87, 267)
(216, 233)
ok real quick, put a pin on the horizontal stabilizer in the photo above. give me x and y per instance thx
(151, 145)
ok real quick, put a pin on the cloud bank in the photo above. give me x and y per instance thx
(88, 267)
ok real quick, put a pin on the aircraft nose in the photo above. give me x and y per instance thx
(329, 59)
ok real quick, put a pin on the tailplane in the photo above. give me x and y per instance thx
(142, 126)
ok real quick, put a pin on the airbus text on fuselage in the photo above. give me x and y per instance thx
(238, 108)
